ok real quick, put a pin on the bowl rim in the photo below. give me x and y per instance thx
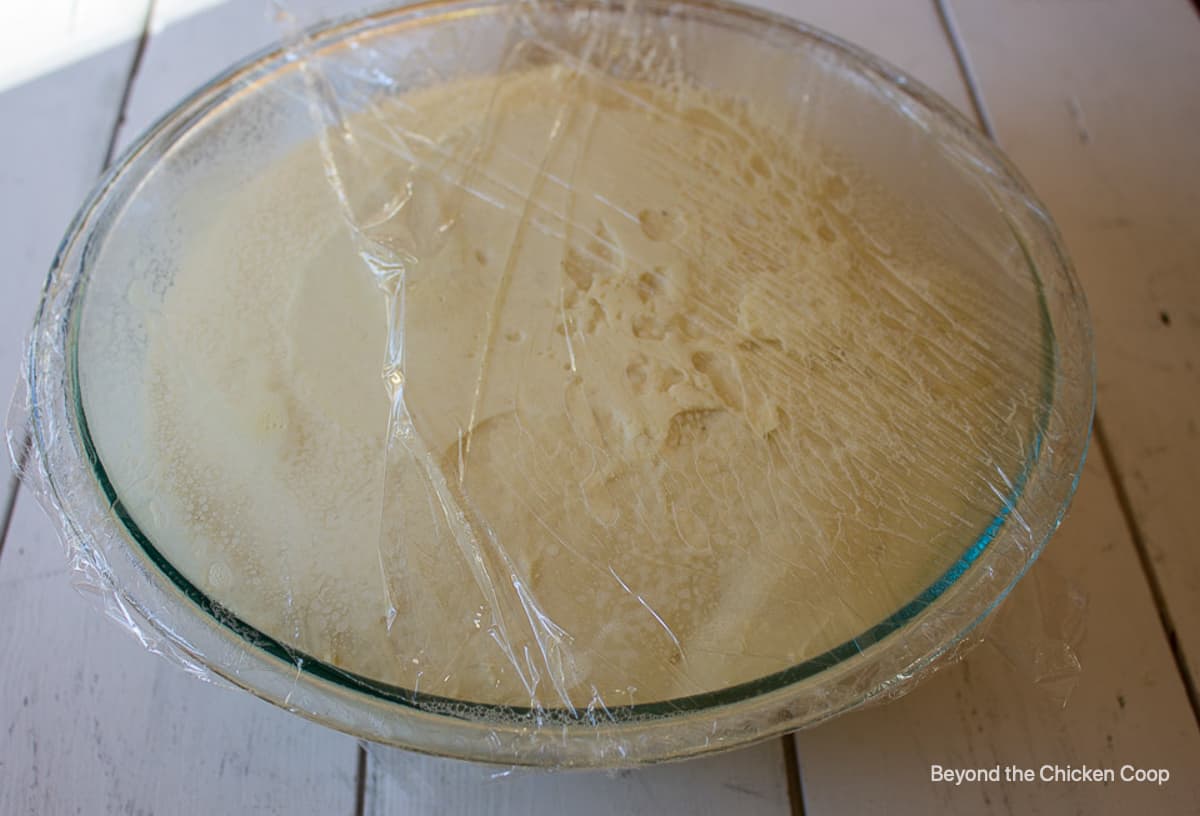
(88, 227)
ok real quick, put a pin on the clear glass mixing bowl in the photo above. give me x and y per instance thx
(903, 134)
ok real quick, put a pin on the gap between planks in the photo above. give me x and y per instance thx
(791, 767)
(1099, 438)
(360, 782)
(9, 508)
(14, 483)
(1165, 618)
(950, 29)
(6, 509)
(10, 488)
(135, 65)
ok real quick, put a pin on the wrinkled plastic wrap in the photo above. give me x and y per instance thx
(571, 385)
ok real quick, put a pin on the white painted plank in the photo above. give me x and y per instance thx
(59, 106)
(906, 33)
(190, 42)
(750, 781)
(1098, 102)
(93, 723)
(57, 127)
(1128, 706)
(193, 41)
(40, 38)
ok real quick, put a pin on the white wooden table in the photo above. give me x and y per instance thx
(1098, 101)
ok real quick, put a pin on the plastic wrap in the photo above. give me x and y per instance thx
(571, 385)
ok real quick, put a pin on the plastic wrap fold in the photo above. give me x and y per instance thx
(559, 384)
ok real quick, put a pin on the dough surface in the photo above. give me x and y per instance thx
(677, 404)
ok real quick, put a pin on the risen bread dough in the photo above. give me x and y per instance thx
(680, 405)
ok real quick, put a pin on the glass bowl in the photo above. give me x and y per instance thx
(111, 263)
